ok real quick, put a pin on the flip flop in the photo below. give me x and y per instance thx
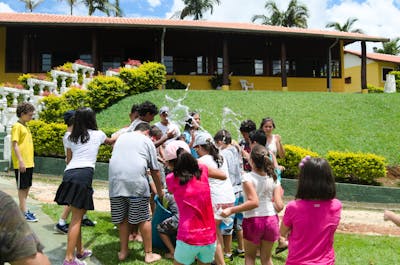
(280, 249)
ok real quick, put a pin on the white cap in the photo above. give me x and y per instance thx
(172, 147)
(202, 138)
(164, 109)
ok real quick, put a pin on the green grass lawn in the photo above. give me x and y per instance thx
(320, 121)
(350, 249)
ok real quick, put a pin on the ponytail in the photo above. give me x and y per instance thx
(213, 151)
(260, 157)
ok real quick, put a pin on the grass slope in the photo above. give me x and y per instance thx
(320, 121)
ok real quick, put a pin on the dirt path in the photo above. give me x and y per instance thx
(358, 218)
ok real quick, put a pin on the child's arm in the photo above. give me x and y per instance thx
(249, 204)
(157, 181)
(284, 230)
(111, 141)
(21, 163)
(278, 201)
(216, 173)
(68, 155)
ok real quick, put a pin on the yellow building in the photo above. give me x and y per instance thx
(378, 65)
(270, 57)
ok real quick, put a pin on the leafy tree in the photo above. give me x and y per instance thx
(196, 8)
(31, 4)
(102, 5)
(117, 9)
(295, 15)
(71, 4)
(390, 47)
(346, 27)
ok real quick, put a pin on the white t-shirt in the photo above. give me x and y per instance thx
(264, 186)
(221, 190)
(84, 155)
(171, 127)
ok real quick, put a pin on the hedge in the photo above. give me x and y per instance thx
(293, 156)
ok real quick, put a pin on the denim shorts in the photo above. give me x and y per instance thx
(186, 254)
(256, 229)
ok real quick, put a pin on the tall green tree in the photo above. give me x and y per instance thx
(391, 47)
(31, 4)
(71, 4)
(117, 9)
(346, 27)
(101, 5)
(296, 15)
(196, 8)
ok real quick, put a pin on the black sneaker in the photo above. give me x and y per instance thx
(87, 222)
(63, 229)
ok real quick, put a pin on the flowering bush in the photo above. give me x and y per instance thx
(81, 62)
(133, 63)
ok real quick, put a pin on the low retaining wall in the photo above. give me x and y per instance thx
(345, 192)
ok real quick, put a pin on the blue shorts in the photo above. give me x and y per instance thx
(237, 218)
(186, 254)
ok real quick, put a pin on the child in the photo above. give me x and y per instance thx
(22, 156)
(222, 194)
(391, 216)
(76, 187)
(188, 182)
(246, 127)
(262, 202)
(311, 220)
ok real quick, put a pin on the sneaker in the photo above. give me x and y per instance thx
(228, 258)
(239, 253)
(74, 262)
(29, 217)
(86, 253)
(63, 229)
(34, 215)
(88, 222)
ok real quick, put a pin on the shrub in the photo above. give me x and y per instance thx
(357, 168)
(397, 78)
(217, 81)
(174, 84)
(103, 91)
(374, 89)
(54, 108)
(47, 138)
(293, 156)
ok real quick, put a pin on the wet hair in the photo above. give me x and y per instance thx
(247, 126)
(316, 180)
(265, 120)
(213, 151)
(143, 126)
(185, 166)
(85, 119)
(134, 108)
(155, 131)
(24, 108)
(189, 121)
(224, 136)
(260, 157)
(258, 136)
(147, 107)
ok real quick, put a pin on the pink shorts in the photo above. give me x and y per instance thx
(256, 229)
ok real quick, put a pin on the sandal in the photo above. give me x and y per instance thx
(280, 249)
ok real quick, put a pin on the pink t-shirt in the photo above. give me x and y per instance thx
(313, 225)
(196, 217)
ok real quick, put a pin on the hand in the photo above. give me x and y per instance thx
(226, 212)
(282, 168)
(171, 134)
(22, 167)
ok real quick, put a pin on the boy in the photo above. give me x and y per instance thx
(22, 156)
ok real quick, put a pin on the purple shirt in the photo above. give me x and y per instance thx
(196, 218)
(313, 225)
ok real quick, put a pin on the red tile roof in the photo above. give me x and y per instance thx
(378, 56)
(51, 19)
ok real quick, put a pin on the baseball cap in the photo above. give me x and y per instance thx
(68, 115)
(202, 138)
(164, 109)
(172, 147)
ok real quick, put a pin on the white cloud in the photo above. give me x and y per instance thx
(5, 8)
(154, 3)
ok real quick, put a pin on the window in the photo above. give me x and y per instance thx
(220, 65)
(290, 67)
(258, 67)
(169, 64)
(202, 65)
(86, 58)
(46, 62)
(385, 71)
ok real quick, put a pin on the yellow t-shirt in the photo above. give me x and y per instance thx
(22, 135)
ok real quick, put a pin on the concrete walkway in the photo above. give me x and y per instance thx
(55, 243)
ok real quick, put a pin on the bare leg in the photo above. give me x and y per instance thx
(123, 239)
(250, 254)
(239, 237)
(145, 230)
(167, 241)
(22, 196)
(219, 254)
(74, 233)
(227, 244)
(65, 212)
(391, 216)
(265, 251)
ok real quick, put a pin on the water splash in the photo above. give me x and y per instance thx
(231, 122)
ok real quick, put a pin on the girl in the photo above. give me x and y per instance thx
(260, 222)
(222, 194)
(274, 143)
(311, 220)
(188, 182)
(76, 187)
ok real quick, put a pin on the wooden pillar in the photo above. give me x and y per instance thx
(25, 53)
(283, 67)
(225, 55)
(95, 52)
(364, 67)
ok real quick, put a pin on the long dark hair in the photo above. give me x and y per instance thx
(213, 151)
(185, 166)
(85, 119)
(316, 180)
(260, 157)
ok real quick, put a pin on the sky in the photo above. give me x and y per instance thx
(375, 17)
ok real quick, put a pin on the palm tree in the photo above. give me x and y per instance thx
(71, 4)
(295, 15)
(196, 8)
(117, 9)
(346, 27)
(31, 4)
(390, 47)
(102, 5)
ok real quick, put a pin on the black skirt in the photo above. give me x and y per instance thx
(76, 189)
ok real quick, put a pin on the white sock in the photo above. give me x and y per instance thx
(61, 221)
(84, 217)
